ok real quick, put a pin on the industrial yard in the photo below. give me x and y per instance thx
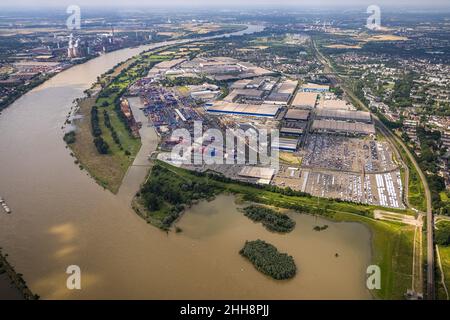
(374, 189)
(347, 154)
(350, 169)
(329, 149)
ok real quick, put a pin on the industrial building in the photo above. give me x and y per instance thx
(287, 86)
(263, 174)
(297, 114)
(255, 83)
(162, 68)
(287, 131)
(282, 93)
(240, 84)
(295, 128)
(312, 87)
(334, 104)
(249, 94)
(344, 115)
(305, 100)
(286, 144)
(223, 68)
(278, 98)
(205, 95)
(205, 92)
(255, 110)
(351, 128)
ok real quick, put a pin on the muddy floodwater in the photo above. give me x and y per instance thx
(218, 230)
(61, 217)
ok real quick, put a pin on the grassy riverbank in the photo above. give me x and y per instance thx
(391, 242)
(109, 169)
(16, 278)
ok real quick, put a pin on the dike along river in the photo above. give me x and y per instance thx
(61, 217)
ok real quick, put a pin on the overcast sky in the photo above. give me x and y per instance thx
(228, 3)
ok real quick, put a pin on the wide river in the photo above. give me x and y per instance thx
(61, 217)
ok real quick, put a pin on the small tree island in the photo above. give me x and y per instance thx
(268, 260)
(271, 219)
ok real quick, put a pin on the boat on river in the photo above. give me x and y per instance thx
(5, 206)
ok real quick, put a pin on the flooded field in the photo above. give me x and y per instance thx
(218, 230)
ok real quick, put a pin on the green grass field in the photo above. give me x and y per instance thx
(442, 235)
(109, 170)
(444, 252)
(416, 190)
(392, 251)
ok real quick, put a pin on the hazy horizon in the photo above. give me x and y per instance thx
(405, 4)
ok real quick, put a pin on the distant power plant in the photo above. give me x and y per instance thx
(75, 48)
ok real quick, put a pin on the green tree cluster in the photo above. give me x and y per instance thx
(101, 145)
(267, 259)
(442, 235)
(272, 220)
(170, 193)
(96, 131)
(69, 137)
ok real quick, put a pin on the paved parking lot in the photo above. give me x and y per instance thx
(347, 154)
(353, 169)
(378, 189)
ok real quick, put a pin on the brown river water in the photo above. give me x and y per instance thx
(61, 217)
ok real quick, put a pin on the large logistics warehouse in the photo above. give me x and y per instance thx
(282, 93)
(286, 144)
(251, 94)
(254, 110)
(305, 100)
(287, 87)
(297, 114)
(263, 174)
(359, 116)
(291, 131)
(334, 104)
(332, 126)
